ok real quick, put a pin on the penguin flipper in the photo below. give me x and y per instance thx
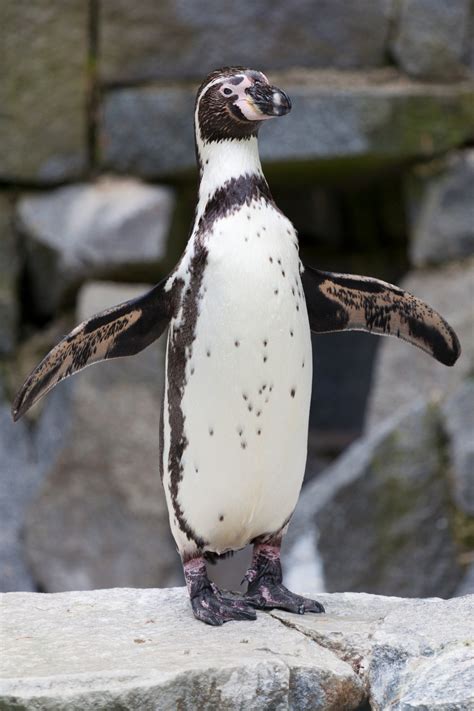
(122, 330)
(345, 302)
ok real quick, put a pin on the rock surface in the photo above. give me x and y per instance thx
(25, 456)
(458, 412)
(43, 90)
(143, 649)
(9, 273)
(441, 206)
(101, 518)
(403, 373)
(431, 36)
(372, 115)
(97, 230)
(364, 510)
(139, 42)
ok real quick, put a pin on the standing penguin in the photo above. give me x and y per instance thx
(239, 308)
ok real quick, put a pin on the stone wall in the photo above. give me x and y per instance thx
(97, 179)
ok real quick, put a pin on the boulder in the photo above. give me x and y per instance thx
(412, 654)
(441, 210)
(380, 515)
(26, 453)
(108, 228)
(101, 518)
(43, 90)
(430, 36)
(403, 373)
(364, 117)
(458, 412)
(141, 42)
(143, 649)
(9, 273)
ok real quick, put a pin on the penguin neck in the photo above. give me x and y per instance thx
(223, 162)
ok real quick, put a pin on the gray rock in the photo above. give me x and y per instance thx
(152, 654)
(143, 649)
(430, 38)
(411, 654)
(458, 412)
(467, 583)
(9, 271)
(43, 90)
(365, 509)
(99, 230)
(403, 373)
(140, 42)
(101, 518)
(375, 115)
(441, 202)
(25, 456)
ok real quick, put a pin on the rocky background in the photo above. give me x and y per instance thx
(375, 166)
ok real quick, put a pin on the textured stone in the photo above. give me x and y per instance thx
(403, 373)
(430, 38)
(43, 90)
(374, 116)
(9, 271)
(25, 454)
(101, 518)
(458, 412)
(143, 649)
(364, 509)
(140, 41)
(99, 230)
(411, 654)
(441, 201)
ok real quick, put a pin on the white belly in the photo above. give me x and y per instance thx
(248, 386)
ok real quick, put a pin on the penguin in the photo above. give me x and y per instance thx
(238, 309)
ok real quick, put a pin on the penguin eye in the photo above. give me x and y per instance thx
(227, 91)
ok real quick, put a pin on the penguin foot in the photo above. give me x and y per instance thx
(266, 590)
(209, 604)
(214, 608)
(269, 594)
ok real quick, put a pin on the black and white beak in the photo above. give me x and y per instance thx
(269, 100)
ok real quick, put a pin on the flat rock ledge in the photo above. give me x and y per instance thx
(142, 649)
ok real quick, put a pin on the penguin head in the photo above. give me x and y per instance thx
(232, 103)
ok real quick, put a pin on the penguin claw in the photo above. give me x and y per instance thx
(271, 595)
(214, 608)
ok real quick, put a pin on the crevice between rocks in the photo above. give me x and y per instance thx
(355, 666)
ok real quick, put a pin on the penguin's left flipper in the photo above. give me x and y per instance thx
(122, 330)
(345, 302)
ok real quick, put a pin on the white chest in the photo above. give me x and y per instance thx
(247, 383)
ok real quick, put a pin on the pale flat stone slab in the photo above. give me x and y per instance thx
(143, 649)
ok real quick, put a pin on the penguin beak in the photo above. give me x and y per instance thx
(266, 102)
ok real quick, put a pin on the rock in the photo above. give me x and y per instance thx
(458, 412)
(142, 648)
(411, 654)
(371, 116)
(9, 272)
(365, 508)
(99, 230)
(25, 455)
(139, 43)
(430, 38)
(440, 199)
(43, 90)
(402, 373)
(101, 517)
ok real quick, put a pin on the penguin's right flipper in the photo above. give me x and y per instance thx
(122, 330)
(347, 302)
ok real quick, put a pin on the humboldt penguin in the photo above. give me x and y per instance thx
(239, 309)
